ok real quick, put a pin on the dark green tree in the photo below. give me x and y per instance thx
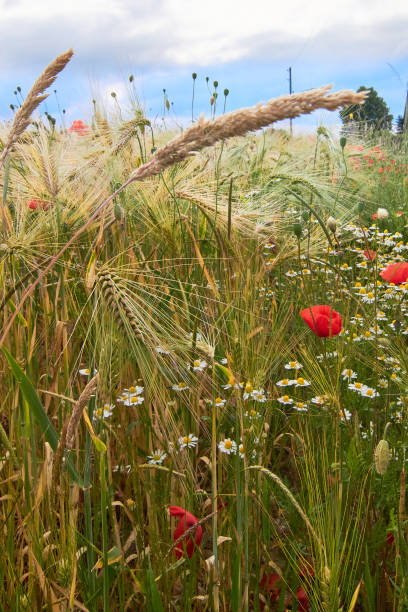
(374, 114)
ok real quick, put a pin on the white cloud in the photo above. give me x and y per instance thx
(196, 33)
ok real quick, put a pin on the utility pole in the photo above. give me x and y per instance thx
(290, 91)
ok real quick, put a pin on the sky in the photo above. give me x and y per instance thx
(246, 46)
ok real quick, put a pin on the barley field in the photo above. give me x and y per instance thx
(203, 362)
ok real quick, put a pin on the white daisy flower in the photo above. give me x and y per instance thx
(301, 382)
(105, 412)
(227, 446)
(133, 400)
(220, 402)
(369, 392)
(285, 383)
(199, 366)
(285, 399)
(348, 374)
(86, 372)
(189, 441)
(181, 386)
(293, 365)
(157, 457)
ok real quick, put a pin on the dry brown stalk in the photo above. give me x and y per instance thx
(70, 427)
(34, 98)
(204, 134)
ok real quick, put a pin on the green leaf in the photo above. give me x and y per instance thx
(37, 410)
(154, 598)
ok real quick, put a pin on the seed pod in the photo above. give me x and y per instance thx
(382, 457)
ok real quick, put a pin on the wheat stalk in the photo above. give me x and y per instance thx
(204, 134)
(34, 98)
(116, 299)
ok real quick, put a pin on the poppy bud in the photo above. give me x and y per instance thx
(194, 75)
(297, 230)
(382, 457)
(343, 141)
(382, 213)
(332, 224)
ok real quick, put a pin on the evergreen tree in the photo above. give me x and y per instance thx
(374, 114)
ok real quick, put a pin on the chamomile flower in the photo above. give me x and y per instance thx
(252, 415)
(285, 382)
(318, 400)
(259, 395)
(228, 446)
(86, 372)
(369, 392)
(181, 386)
(105, 412)
(133, 400)
(356, 386)
(157, 457)
(348, 374)
(189, 441)
(285, 399)
(300, 406)
(199, 365)
(162, 351)
(301, 382)
(220, 402)
(293, 365)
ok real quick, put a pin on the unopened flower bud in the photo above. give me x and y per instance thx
(343, 141)
(382, 457)
(297, 230)
(382, 213)
(332, 224)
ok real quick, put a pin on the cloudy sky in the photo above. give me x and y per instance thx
(245, 46)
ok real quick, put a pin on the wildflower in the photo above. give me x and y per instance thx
(285, 382)
(199, 366)
(348, 374)
(293, 365)
(369, 392)
(271, 585)
(382, 214)
(285, 399)
(220, 402)
(323, 320)
(104, 412)
(301, 382)
(300, 406)
(187, 545)
(189, 441)
(332, 224)
(36, 203)
(252, 414)
(79, 128)
(396, 273)
(161, 351)
(86, 372)
(157, 458)
(133, 400)
(356, 386)
(181, 386)
(318, 400)
(227, 446)
(259, 396)
(241, 450)
(291, 274)
(370, 255)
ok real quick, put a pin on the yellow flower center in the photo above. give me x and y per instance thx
(358, 385)
(228, 444)
(300, 381)
(196, 364)
(285, 381)
(218, 400)
(186, 440)
(293, 364)
(286, 398)
(132, 390)
(369, 392)
(182, 385)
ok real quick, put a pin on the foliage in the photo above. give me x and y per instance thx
(374, 114)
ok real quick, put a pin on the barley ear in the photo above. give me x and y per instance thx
(34, 98)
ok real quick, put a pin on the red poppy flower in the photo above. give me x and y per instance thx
(370, 255)
(187, 520)
(79, 127)
(396, 273)
(301, 600)
(323, 320)
(390, 538)
(36, 203)
(271, 585)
